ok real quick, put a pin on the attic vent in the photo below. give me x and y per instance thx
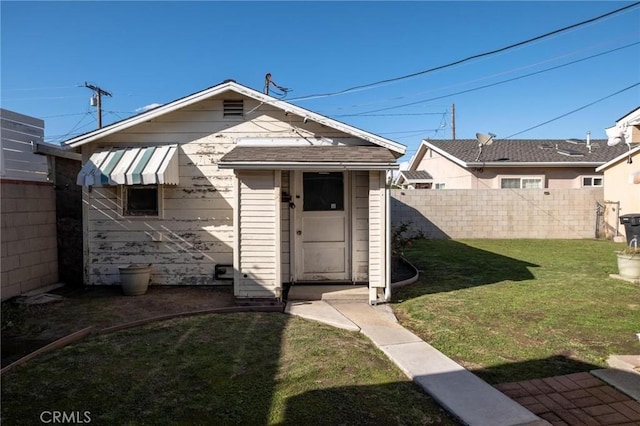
(233, 108)
(545, 146)
(575, 141)
(570, 153)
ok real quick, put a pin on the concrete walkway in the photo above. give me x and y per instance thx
(464, 395)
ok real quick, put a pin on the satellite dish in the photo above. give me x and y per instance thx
(615, 135)
(484, 139)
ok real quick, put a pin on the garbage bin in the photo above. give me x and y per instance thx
(631, 224)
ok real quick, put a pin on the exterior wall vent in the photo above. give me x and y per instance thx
(233, 108)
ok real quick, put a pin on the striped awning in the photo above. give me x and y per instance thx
(152, 165)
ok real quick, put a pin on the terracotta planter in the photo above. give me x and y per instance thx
(135, 279)
(629, 265)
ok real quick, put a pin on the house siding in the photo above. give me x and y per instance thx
(377, 261)
(621, 187)
(285, 229)
(361, 226)
(259, 245)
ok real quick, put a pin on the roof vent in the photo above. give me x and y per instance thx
(545, 146)
(570, 153)
(233, 108)
(575, 141)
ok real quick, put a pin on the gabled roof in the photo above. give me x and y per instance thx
(527, 152)
(416, 175)
(231, 86)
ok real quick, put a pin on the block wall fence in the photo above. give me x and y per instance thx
(498, 213)
(29, 244)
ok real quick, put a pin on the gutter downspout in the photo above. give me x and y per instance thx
(387, 200)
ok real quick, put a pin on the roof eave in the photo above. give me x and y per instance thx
(445, 154)
(618, 159)
(284, 165)
(535, 164)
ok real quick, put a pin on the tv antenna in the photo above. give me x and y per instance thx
(483, 140)
(617, 135)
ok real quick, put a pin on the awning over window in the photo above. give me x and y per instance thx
(153, 165)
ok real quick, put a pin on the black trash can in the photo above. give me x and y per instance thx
(631, 224)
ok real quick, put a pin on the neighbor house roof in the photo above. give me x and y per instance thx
(526, 152)
(413, 176)
(326, 157)
(416, 175)
(626, 155)
(232, 86)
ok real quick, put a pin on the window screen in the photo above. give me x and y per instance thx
(531, 183)
(510, 183)
(323, 191)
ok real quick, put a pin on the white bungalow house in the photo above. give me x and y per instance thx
(230, 184)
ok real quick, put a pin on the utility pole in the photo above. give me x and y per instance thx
(98, 92)
(453, 121)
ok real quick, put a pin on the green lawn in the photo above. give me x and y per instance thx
(521, 309)
(245, 368)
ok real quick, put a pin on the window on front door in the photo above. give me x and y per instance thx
(323, 191)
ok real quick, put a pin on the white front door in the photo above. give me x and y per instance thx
(321, 226)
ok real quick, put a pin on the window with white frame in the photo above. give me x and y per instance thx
(141, 200)
(592, 181)
(521, 183)
(439, 185)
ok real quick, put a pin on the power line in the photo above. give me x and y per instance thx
(364, 114)
(470, 58)
(574, 111)
(38, 88)
(493, 84)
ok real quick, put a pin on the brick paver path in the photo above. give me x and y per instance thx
(578, 399)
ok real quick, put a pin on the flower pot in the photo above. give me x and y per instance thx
(134, 279)
(629, 265)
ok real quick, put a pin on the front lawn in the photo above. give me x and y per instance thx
(521, 309)
(244, 368)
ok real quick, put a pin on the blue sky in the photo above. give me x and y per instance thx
(155, 52)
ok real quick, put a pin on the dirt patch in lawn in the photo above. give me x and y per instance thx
(26, 328)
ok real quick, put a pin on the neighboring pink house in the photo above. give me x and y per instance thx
(622, 173)
(547, 163)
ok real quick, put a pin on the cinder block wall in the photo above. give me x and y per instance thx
(28, 237)
(498, 213)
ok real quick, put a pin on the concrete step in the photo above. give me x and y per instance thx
(329, 292)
